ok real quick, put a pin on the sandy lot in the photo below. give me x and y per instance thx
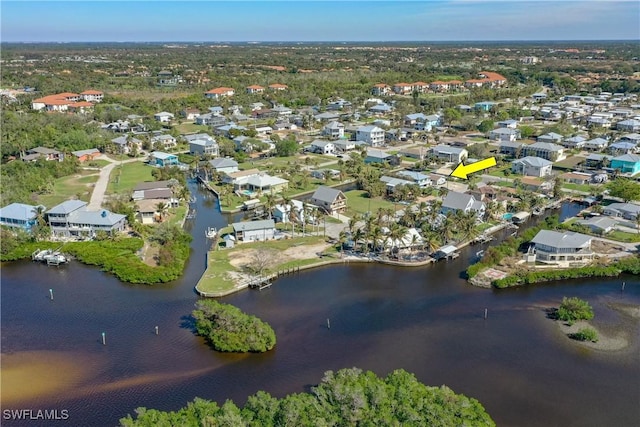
(244, 257)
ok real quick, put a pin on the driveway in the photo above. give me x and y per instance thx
(100, 188)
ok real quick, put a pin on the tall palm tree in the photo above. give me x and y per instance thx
(269, 204)
(430, 241)
(357, 237)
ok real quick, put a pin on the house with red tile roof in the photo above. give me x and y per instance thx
(487, 79)
(420, 87)
(380, 89)
(254, 89)
(278, 86)
(66, 101)
(219, 92)
(92, 95)
(402, 88)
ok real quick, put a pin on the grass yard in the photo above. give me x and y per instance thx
(77, 186)
(96, 163)
(358, 202)
(126, 176)
(216, 278)
(176, 215)
(578, 187)
(191, 128)
(623, 236)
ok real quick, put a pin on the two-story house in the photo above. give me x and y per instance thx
(532, 166)
(72, 219)
(552, 246)
(372, 135)
(330, 200)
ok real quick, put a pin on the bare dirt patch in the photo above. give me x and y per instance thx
(243, 258)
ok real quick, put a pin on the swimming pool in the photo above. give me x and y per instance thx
(507, 216)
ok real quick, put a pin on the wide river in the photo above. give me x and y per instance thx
(426, 320)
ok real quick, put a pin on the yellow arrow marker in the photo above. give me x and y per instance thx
(462, 170)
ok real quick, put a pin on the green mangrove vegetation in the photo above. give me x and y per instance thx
(349, 397)
(228, 329)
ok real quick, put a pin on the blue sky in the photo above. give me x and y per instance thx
(467, 20)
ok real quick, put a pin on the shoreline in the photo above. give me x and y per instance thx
(608, 341)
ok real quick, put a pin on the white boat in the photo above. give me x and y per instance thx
(211, 232)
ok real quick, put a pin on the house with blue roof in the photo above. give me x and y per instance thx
(72, 219)
(161, 159)
(416, 177)
(19, 215)
(622, 147)
(627, 163)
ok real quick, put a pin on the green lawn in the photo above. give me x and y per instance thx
(126, 176)
(176, 215)
(499, 172)
(505, 184)
(623, 236)
(216, 278)
(75, 186)
(358, 202)
(191, 128)
(579, 187)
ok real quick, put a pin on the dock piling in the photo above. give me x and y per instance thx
(486, 313)
(328, 324)
(623, 283)
(104, 338)
(156, 330)
(51, 294)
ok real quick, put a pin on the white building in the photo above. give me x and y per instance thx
(372, 135)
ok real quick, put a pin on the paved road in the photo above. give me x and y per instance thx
(100, 188)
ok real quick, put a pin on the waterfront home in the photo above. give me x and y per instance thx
(623, 210)
(44, 153)
(333, 130)
(510, 148)
(545, 150)
(580, 178)
(161, 190)
(455, 201)
(449, 153)
(72, 219)
(535, 184)
(532, 166)
(161, 159)
(147, 210)
(627, 163)
(254, 231)
(163, 117)
(330, 200)
(553, 246)
(504, 134)
(224, 165)
(599, 224)
(19, 215)
(253, 180)
(202, 144)
(86, 155)
(302, 212)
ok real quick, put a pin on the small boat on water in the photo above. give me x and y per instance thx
(49, 256)
(479, 254)
(538, 211)
(211, 232)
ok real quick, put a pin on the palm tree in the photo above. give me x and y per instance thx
(443, 191)
(430, 240)
(269, 204)
(162, 208)
(357, 237)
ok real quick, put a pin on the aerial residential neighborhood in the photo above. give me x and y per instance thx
(351, 193)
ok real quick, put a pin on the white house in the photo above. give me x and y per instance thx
(372, 135)
(254, 231)
(224, 165)
(323, 147)
(464, 202)
(202, 143)
(449, 153)
(504, 134)
(163, 117)
(532, 166)
(333, 130)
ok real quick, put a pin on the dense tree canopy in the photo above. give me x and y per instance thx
(229, 329)
(626, 189)
(348, 397)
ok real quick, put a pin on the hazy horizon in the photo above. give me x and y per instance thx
(318, 21)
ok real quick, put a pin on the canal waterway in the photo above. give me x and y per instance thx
(426, 320)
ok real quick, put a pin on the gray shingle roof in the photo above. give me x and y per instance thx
(253, 225)
(67, 207)
(326, 194)
(455, 200)
(566, 240)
